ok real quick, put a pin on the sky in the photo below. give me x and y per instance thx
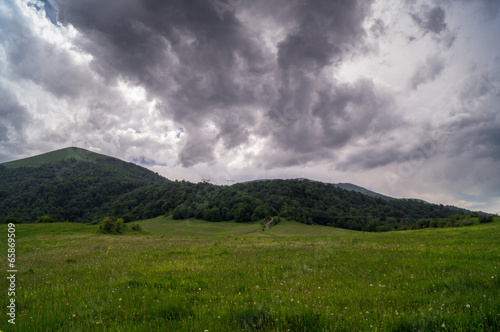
(400, 97)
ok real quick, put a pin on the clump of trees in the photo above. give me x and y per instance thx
(112, 226)
(116, 226)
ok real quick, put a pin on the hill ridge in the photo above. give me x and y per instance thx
(75, 153)
(79, 185)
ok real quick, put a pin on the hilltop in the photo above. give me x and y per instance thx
(82, 186)
(71, 153)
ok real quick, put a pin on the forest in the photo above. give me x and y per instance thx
(86, 192)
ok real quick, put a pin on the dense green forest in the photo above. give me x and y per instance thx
(68, 189)
(86, 192)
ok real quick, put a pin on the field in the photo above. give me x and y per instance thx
(197, 276)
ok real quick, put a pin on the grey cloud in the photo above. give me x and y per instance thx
(182, 53)
(491, 8)
(378, 28)
(197, 150)
(13, 120)
(233, 131)
(339, 115)
(326, 32)
(12, 114)
(473, 148)
(431, 20)
(205, 69)
(427, 71)
(34, 59)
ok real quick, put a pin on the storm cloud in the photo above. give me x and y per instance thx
(344, 90)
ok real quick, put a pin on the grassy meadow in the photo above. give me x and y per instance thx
(194, 275)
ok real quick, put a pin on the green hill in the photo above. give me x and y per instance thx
(81, 186)
(68, 184)
(71, 153)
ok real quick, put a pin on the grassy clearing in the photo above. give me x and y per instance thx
(196, 276)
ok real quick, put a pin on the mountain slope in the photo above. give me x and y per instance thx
(68, 184)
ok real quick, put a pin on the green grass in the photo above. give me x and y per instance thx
(195, 276)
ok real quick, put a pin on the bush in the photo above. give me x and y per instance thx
(112, 226)
(485, 219)
(45, 219)
(467, 222)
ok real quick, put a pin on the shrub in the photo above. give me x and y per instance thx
(485, 219)
(112, 226)
(467, 222)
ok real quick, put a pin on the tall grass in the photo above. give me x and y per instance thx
(230, 277)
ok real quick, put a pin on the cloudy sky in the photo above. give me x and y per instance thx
(401, 97)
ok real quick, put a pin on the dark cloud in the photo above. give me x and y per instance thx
(311, 117)
(427, 71)
(431, 19)
(198, 65)
(339, 115)
(208, 70)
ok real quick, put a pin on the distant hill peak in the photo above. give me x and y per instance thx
(55, 156)
(353, 187)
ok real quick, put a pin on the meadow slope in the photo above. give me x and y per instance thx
(191, 275)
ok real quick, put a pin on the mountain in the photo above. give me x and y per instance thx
(67, 184)
(72, 153)
(81, 186)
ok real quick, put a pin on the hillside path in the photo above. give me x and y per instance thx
(270, 221)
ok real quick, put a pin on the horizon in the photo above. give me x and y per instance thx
(400, 98)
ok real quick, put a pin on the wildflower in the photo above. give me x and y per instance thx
(443, 326)
(467, 305)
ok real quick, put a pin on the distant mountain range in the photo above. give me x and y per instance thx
(78, 185)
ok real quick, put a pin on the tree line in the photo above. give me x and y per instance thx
(88, 192)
